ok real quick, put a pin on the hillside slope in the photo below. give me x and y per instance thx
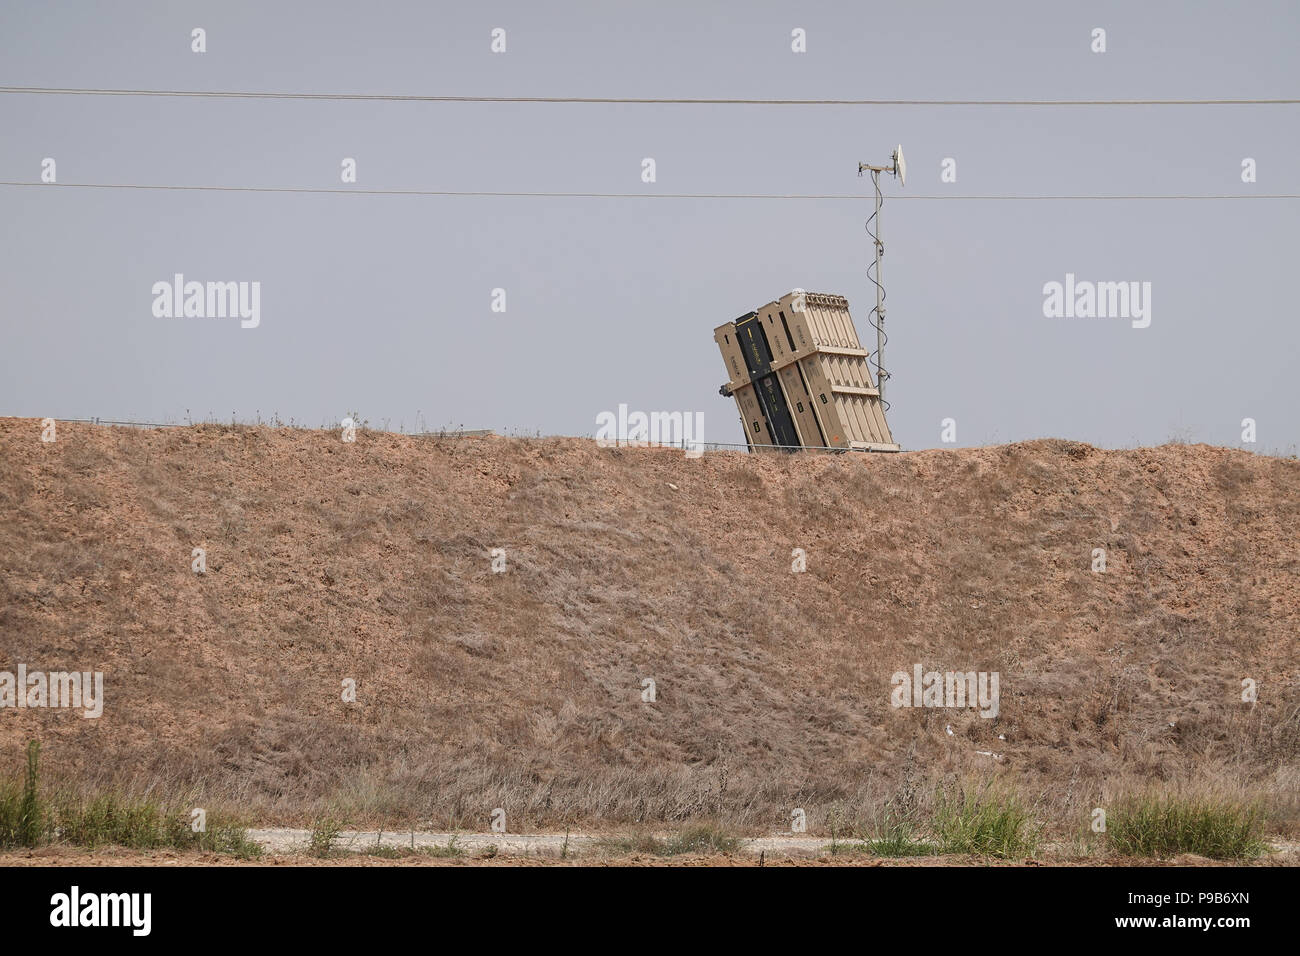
(371, 561)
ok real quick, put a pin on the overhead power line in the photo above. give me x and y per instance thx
(636, 100)
(522, 194)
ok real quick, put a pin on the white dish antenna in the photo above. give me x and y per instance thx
(900, 166)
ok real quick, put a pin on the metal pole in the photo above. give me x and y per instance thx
(881, 374)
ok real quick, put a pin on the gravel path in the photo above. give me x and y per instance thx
(552, 845)
(510, 844)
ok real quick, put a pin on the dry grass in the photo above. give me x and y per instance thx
(522, 690)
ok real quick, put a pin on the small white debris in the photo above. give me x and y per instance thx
(949, 729)
(672, 486)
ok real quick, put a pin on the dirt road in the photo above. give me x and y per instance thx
(511, 844)
(557, 845)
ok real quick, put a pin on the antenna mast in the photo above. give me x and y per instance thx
(897, 168)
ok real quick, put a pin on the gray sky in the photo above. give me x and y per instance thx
(381, 304)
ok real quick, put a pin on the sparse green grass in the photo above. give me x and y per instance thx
(112, 819)
(450, 850)
(324, 834)
(9, 813)
(901, 846)
(848, 848)
(888, 849)
(31, 813)
(12, 819)
(324, 838)
(894, 834)
(108, 818)
(700, 838)
(898, 836)
(984, 821)
(628, 845)
(23, 819)
(1153, 826)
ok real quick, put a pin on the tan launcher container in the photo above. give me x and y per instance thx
(811, 347)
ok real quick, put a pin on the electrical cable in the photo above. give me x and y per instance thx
(630, 100)
(541, 194)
